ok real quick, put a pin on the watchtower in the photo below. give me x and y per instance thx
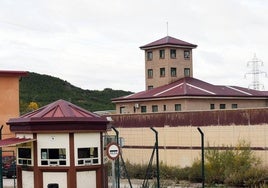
(167, 60)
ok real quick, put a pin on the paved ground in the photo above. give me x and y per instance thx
(11, 183)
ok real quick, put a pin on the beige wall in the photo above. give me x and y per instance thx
(193, 104)
(180, 146)
(9, 102)
(156, 63)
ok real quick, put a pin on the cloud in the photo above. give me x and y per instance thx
(95, 44)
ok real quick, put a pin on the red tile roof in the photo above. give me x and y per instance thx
(190, 87)
(14, 141)
(168, 41)
(59, 111)
(13, 73)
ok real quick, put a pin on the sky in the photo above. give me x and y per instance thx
(94, 44)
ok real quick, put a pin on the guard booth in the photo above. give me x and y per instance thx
(59, 146)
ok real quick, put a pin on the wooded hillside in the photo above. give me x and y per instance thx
(44, 89)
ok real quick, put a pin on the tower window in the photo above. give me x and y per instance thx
(161, 54)
(150, 87)
(149, 55)
(173, 72)
(187, 72)
(173, 53)
(162, 72)
(186, 54)
(150, 73)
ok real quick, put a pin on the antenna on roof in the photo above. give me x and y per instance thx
(255, 63)
(167, 28)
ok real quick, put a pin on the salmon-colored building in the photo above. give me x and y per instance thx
(9, 99)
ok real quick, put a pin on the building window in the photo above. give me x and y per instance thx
(150, 87)
(149, 56)
(173, 72)
(154, 108)
(186, 54)
(162, 54)
(164, 107)
(87, 156)
(234, 105)
(222, 106)
(177, 107)
(162, 72)
(53, 156)
(150, 73)
(24, 156)
(173, 54)
(143, 109)
(186, 72)
(212, 106)
(122, 110)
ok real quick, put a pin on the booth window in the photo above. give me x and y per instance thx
(24, 156)
(53, 156)
(88, 156)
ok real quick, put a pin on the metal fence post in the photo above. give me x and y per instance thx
(117, 160)
(157, 157)
(203, 157)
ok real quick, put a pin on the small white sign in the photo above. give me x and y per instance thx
(113, 151)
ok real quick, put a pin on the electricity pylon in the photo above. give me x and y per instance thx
(255, 63)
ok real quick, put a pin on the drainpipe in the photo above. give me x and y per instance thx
(1, 165)
(157, 157)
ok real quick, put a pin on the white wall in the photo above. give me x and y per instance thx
(27, 179)
(82, 140)
(58, 140)
(86, 179)
(55, 177)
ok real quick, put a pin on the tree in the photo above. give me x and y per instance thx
(32, 106)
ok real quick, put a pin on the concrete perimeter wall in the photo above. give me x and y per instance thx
(179, 139)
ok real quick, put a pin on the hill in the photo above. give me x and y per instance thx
(44, 89)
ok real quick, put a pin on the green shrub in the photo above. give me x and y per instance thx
(237, 166)
(195, 172)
